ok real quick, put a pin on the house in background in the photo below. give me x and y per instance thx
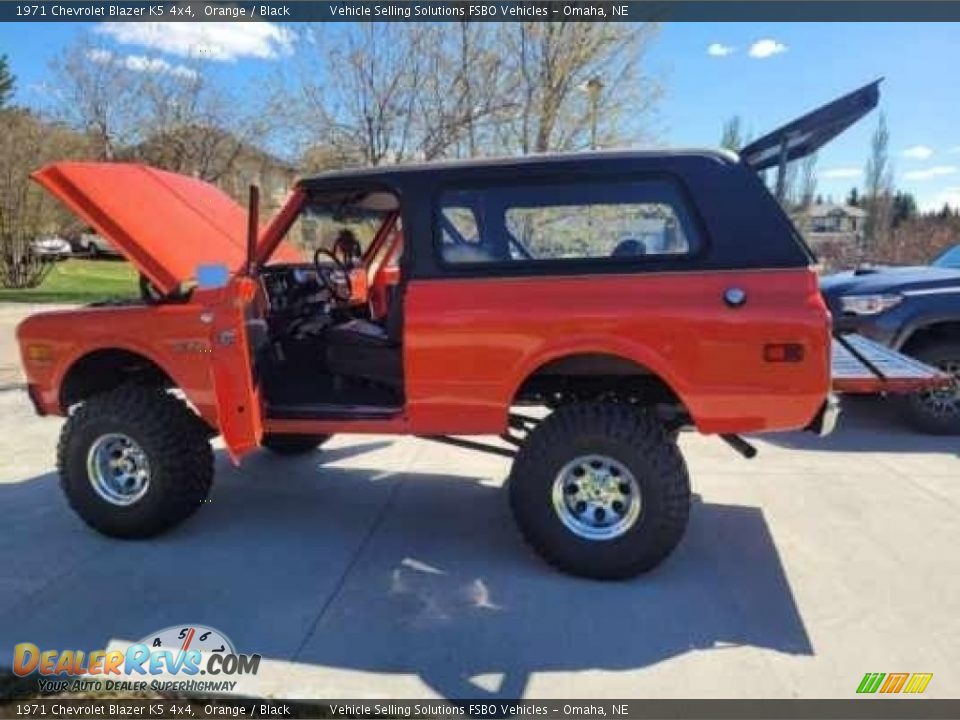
(830, 223)
(222, 158)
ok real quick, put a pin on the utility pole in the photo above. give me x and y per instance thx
(593, 87)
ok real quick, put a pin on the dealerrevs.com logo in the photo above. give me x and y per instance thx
(185, 658)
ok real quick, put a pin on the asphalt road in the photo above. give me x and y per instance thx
(385, 568)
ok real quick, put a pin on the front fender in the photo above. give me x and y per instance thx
(171, 337)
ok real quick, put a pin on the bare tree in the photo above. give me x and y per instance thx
(96, 94)
(359, 93)
(808, 181)
(463, 92)
(191, 126)
(878, 193)
(731, 137)
(175, 117)
(379, 93)
(577, 84)
(26, 212)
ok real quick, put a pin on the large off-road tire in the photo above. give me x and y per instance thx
(590, 457)
(936, 412)
(134, 462)
(293, 444)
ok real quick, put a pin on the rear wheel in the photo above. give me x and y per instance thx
(134, 462)
(936, 412)
(600, 490)
(293, 444)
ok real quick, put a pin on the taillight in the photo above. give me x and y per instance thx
(783, 352)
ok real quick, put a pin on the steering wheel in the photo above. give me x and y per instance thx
(347, 249)
(340, 290)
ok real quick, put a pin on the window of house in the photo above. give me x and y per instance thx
(555, 222)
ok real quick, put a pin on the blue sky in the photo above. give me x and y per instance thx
(767, 73)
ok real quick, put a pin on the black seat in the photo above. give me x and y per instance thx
(365, 349)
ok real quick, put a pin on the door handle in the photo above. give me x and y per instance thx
(734, 297)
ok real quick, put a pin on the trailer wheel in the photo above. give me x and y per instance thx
(935, 412)
(599, 490)
(134, 462)
(293, 444)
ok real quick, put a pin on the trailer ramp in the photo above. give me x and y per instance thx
(862, 366)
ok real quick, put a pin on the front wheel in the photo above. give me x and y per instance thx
(937, 411)
(292, 444)
(599, 490)
(134, 462)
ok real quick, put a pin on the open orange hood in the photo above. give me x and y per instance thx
(165, 224)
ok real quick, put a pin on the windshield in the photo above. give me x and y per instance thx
(949, 259)
(325, 217)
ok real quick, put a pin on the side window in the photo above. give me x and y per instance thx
(565, 222)
(461, 226)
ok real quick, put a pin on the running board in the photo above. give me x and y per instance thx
(327, 411)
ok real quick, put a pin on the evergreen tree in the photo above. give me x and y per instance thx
(853, 199)
(904, 207)
(7, 82)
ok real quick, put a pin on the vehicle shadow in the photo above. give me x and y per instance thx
(867, 424)
(419, 574)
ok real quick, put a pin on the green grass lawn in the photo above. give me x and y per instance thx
(80, 281)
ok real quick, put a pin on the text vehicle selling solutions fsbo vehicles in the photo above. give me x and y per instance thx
(583, 307)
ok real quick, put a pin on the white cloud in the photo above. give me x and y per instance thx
(223, 41)
(720, 50)
(840, 173)
(918, 152)
(948, 196)
(930, 172)
(141, 63)
(766, 48)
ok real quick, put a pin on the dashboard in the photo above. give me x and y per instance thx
(299, 300)
(289, 286)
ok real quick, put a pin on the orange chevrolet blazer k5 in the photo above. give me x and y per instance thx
(582, 307)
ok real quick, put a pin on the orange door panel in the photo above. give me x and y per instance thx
(470, 343)
(239, 410)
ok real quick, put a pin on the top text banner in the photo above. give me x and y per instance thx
(331, 11)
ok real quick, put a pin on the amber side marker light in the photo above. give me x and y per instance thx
(40, 354)
(783, 352)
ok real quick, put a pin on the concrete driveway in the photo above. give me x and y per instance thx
(385, 568)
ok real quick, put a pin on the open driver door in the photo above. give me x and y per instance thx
(237, 333)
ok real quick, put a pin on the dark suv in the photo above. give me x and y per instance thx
(915, 310)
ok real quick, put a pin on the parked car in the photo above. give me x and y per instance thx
(454, 296)
(51, 246)
(915, 310)
(95, 245)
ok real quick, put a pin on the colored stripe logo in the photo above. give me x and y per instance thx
(888, 683)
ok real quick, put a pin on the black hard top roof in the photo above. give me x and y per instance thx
(546, 161)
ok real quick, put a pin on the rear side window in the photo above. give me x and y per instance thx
(565, 222)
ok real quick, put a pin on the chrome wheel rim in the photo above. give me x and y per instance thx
(597, 497)
(118, 469)
(944, 401)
